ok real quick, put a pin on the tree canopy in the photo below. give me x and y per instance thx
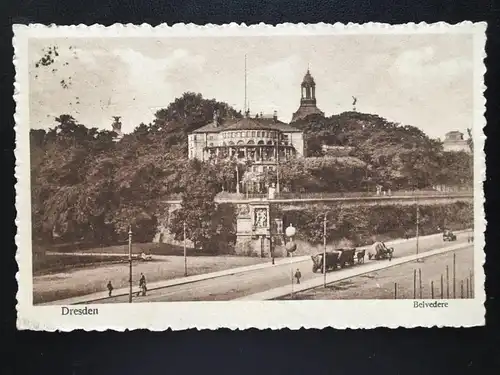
(90, 185)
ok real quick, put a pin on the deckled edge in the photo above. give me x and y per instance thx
(21, 33)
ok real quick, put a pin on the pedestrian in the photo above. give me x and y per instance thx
(110, 288)
(142, 284)
(298, 275)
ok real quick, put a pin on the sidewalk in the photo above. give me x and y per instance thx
(345, 274)
(94, 297)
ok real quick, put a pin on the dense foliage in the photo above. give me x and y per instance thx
(361, 225)
(89, 187)
(395, 156)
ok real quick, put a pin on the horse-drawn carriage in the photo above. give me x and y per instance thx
(380, 251)
(334, 259)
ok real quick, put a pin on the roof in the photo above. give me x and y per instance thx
(248, 123)
(213, 128)
(308, 79)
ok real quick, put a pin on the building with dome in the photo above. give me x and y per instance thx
(260, 139)
(454, 141)
(307, 99)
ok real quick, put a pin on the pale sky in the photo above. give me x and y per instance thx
(422, 80)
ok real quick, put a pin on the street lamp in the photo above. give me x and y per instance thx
(185, 252)
(130, 263)
(290, 248)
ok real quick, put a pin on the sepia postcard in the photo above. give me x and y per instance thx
(291, 176)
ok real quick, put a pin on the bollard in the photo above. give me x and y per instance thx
(442, 289)
(454, 274)
(461, 289)
(395, 290)
(420, 282)
(447, 283)
(432, 289)
(414, 284)
(471, 284)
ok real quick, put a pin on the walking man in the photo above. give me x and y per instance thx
(110, 288)
(142, 284)
(298, 275)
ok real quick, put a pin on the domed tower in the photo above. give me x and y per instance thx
(307, 99)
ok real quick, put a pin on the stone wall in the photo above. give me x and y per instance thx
(163, 234)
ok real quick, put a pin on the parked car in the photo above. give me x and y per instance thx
(448, 235)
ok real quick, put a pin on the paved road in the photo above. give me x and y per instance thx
(234, 286)
(380, 284)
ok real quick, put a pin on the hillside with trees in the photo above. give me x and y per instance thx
(88, 187)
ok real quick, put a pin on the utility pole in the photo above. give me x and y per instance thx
(418, 222)
(324, 251)
(185, 252)
(130, 263)
(278, 165)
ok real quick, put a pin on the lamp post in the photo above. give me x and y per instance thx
(324, 251)
(290, 248)
(417, 229)
(130, 263)
(185, 252)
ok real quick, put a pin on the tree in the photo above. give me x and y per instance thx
(470, 140)
(198, 209)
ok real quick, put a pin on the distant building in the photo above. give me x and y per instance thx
(454, 141)
(308, 99)
(336, 150)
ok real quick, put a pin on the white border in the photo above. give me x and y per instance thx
(241, 315)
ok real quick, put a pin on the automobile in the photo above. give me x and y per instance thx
(448, 235)
(146, 257)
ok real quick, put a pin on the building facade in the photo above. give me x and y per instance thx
(307, 99)
(261, 140)
(454, 141)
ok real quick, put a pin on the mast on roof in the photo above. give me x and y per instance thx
(245, 105)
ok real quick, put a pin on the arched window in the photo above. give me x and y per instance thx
(269, 142)
(231, 143)
(224, 144)
(240, 143)
(211, 145)
(261, 142)
(250, 142)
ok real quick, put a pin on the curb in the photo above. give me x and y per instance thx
(373, 266)
(99, 296)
